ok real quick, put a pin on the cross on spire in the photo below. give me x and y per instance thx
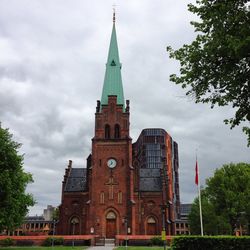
(114, 13)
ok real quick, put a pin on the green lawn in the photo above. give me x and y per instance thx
(141, 248)
(44, 248)
(77, 248)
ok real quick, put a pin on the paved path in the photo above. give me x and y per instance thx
(107, 247)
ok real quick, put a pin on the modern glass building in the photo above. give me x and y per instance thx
(155, 156)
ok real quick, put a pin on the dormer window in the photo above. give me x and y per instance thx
(113, 63)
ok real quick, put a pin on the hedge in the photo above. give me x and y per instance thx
(137, 242)
(76, 242)
(24, 243)
(211, 243)
(49, 241)
(157, 241)
(7, 242)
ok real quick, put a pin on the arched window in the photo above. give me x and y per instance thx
(111, 215)
(102, 197)
(117, 131)
(119, 197)
(107, 131)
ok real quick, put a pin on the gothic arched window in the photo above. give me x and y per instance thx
(102, 197)
(117, 131)
(107, 131)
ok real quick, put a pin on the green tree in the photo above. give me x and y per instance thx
(14, 202)
(225, 201)
(212, 223)
(214, 68)
(55, 215)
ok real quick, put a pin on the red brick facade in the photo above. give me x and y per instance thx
(112, 200)
(125, 188)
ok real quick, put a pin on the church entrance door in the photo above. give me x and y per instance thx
(110, 225)
(74, 226)
(151, 226)
(151, 229)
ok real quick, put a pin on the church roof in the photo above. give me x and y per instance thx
(113, 79)
(77, 181)
(150, 180)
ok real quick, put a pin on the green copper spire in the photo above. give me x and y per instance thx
(113, 79)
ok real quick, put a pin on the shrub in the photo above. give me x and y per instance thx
(7, 242)
(57, 241)
(77, 243)
(24, 242)
(211, 243)
(156, 241)
(137, 242)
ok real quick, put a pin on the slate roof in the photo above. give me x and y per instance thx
(34, 218)
(150, 180)
(77, 180)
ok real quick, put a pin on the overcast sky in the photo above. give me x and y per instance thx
(52, 65)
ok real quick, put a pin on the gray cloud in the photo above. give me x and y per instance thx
(52, 67)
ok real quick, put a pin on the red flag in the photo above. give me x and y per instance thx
(196, 174)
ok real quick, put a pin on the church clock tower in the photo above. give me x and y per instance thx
(125, 188)
(111, 202)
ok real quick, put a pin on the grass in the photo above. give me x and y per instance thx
(77, 248)
(44, 248)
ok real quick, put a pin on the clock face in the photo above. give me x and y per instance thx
(111, 163)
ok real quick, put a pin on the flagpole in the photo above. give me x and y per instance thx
(197, 180)
(199, 191)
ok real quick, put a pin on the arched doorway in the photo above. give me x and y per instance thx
(151, 226)
(110, 225)
(74, 226)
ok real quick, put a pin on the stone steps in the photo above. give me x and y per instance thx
(109, 242)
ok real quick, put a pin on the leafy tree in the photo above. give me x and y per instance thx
(212, 223)
(225, 201)
(14, 202)
(215, 67)
(55, 215)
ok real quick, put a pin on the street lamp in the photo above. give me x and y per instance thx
(53, 232)
(126, 228)
(74, 221)
(165, 180)
(163, 211)
(73, 242)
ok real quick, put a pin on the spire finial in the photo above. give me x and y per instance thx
(114, 13)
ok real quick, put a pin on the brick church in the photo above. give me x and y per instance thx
(125, 188)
